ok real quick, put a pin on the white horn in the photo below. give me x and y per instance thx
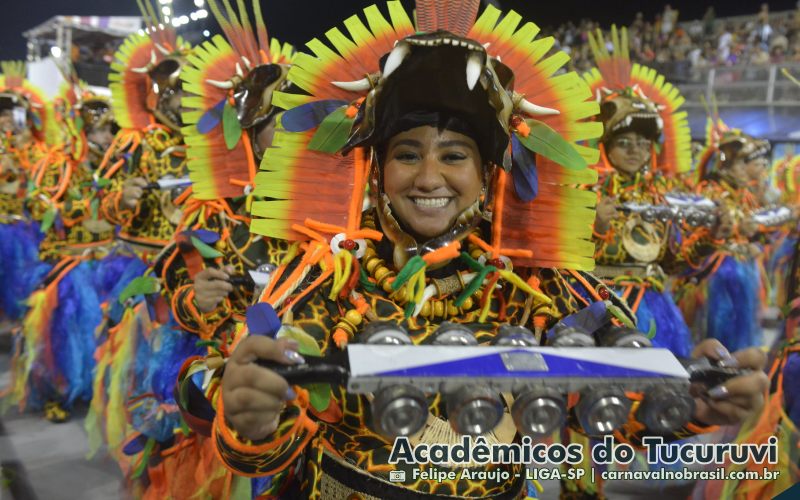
(247, 62)
(143, 69)
(239, 70)
(474, 68)
(535, 109)
(399, 52)
(162, 49)
(220, 85)
(354, 86)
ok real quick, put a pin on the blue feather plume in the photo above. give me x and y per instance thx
(526, 178)
(309, 115)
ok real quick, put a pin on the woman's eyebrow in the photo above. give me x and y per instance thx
(455, 142)
(407, 142)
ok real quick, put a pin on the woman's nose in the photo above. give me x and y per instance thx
(429, 176)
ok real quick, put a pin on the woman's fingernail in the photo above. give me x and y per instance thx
(290, 394)
(292, 344)
(294, 356)
(723, 353)
(729, 362)
(718, 392)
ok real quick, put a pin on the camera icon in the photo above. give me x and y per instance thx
(397, 476)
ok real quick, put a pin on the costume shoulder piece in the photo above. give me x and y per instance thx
(629, 92)
(492, 71)
(141, 61)
(229, 83)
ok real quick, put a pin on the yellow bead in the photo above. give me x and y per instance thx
(387, 287)
(353, 317)
(476, 253)
(372, 263)
(438, 309)
(467, 305)
(381, 273)
(452, 310)
(426, 309)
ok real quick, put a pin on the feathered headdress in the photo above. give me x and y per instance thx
(538, 217)
(631, 92)
(17, 91)
(229, 86)
(142, 64)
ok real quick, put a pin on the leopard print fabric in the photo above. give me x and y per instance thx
(156, 216)
(240, 249)
(78, 224)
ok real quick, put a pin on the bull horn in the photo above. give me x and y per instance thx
(220, 85)
(354, 86)
(239, 70)
(534, 109)
(162, 49)
(247, 63)
(145, 69)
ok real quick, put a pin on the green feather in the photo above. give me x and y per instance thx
(332, 133)
(48, 219)
(231, 127)
(546, 142)
(93, 207)
(208, 252)
(319, 394)
(103, 182)
(139, 286)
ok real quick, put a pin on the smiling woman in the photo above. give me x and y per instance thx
(431, 177)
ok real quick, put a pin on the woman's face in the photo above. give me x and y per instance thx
(102, 136)
(629, 152)
(431, 177)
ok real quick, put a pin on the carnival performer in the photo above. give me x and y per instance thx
(53, 361)
(145, 178)
(428, 129)
(731, 170)
(205, 273)
(635, 253)
(25, 118)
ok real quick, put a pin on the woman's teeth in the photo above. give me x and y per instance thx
(431, 202)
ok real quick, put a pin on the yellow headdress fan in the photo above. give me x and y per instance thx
(492, 72)
(633, 96)
(144, 66)
(229, 83)
(32, 107)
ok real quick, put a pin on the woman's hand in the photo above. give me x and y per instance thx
(606, 212)
(132, 191)
(211, 286)
(253, 395)
(738, 398)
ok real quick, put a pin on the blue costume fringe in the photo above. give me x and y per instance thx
(20, 268)
(671, 332)
(158, 360)
(733, 303)
(791, 387)
(71, 341)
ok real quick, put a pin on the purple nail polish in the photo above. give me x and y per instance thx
(723, 353)
(718, 392)
(290, 394)
(294, 356)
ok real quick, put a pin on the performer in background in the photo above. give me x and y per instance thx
(427, 128)
(645, 143)
(25, 119)
(204, 273)
(145, 181)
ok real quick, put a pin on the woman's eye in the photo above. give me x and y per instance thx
(454, 157)
(406, 156)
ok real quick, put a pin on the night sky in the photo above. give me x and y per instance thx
(297, 21)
